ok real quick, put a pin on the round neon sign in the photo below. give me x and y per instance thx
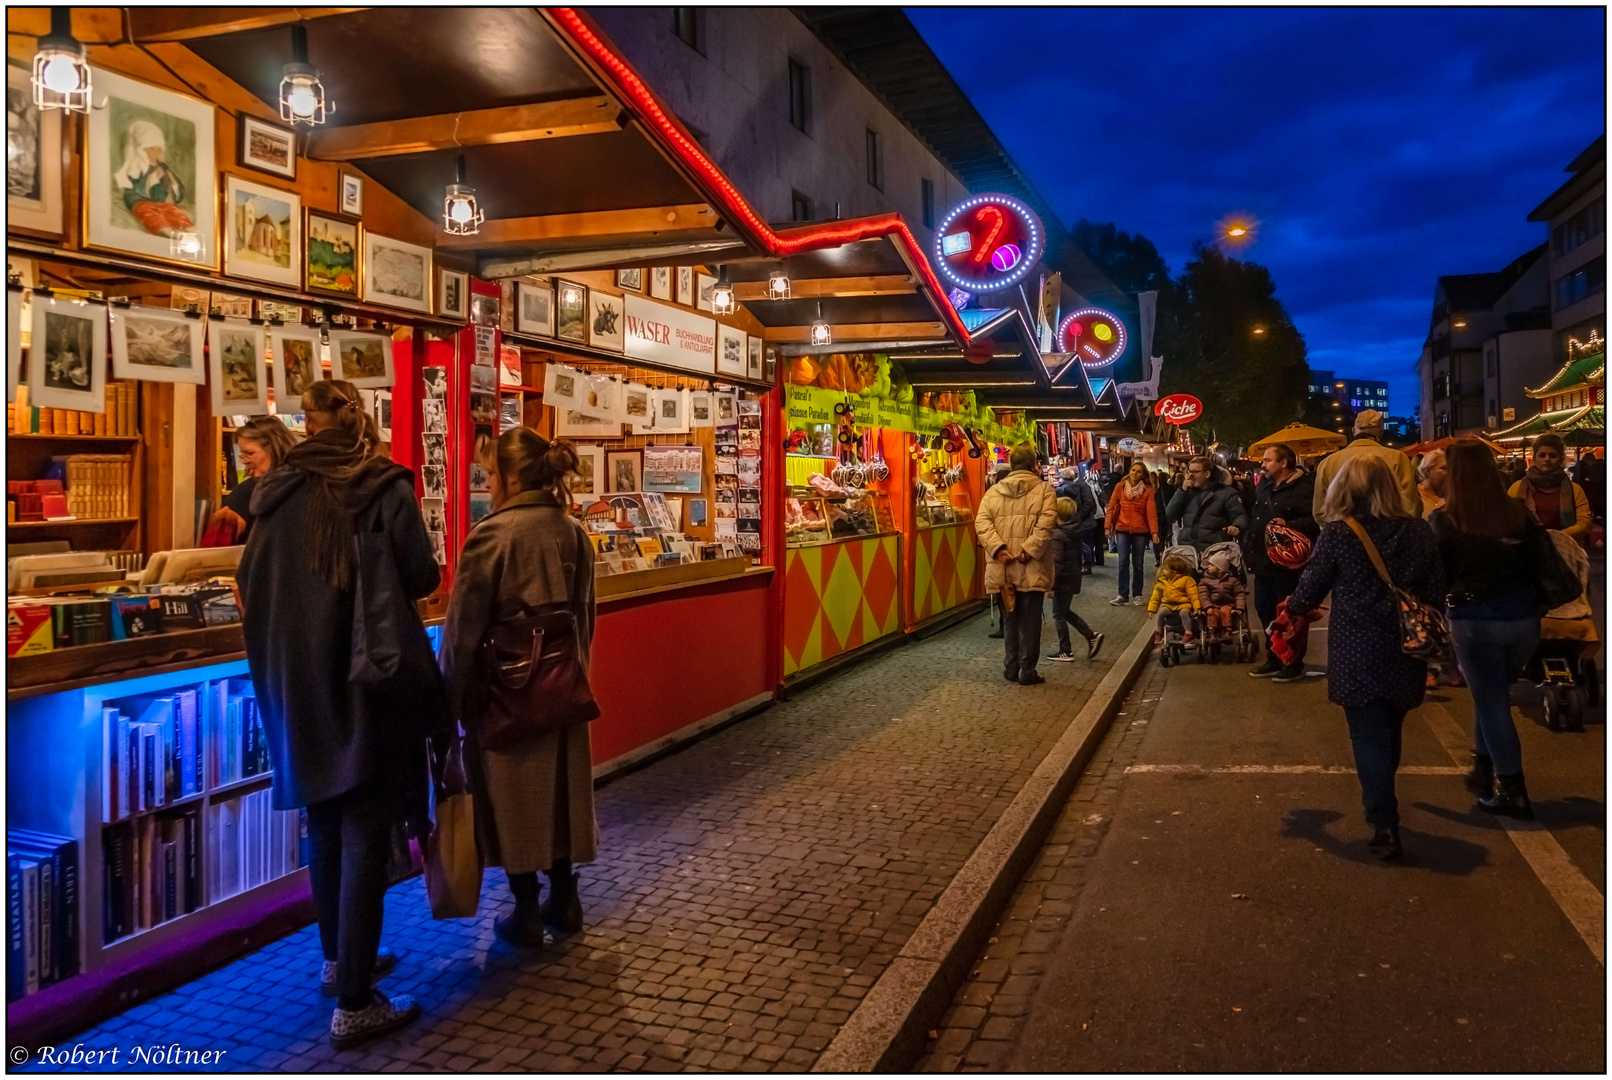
(988, 242)
(1095, 335)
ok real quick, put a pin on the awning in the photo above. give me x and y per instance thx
(1585, 371)
(1540, 423)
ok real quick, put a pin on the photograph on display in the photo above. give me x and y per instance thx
(151, 176)
(484, 409)
(570, 311)
(436, 448)
(262, 232)
(660, 282)
(67, 355)
(677, 469)
(697, 513)
(699, 409)
(479, 480)
(563, 387)
(157, 344)
(509, 412)
(754, 357)
(685, 286)
(237, 372)
(707, 284)
(267, 147)
(453, 294)
(636, 405)
(625, 470)
(33, 158)
(671, 411)
(272, 311)
(397, 273)
(332, 259)
(434, 480)
(483, 378)
(534, 308)
(433, 415)
(436, 516)
(730, 358)
(439, 547)
(630, 279)
(351, 195)
(570, 424)
(383, 413)
(436, 382)
(725, 410)
(587, 483)
(607, 321)
(362, 359)
(296, 367)
(484, 309)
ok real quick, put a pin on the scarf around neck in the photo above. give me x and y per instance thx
(345, 479)
(1546, 481)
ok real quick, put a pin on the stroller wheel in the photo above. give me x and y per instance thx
(1164, 657)
(1556, 707)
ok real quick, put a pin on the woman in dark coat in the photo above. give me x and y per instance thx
(353, 754)
(1367, 673)
(534, 801)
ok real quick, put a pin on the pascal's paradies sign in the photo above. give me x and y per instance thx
(1179, 408)
(988, 242)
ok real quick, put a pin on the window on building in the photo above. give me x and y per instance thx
(929, 204)
(875, 154)
(1587, 280)
(800, 207)
(688, 25)
(800, 96)
(1581, 228)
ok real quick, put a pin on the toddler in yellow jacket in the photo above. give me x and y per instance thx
(1175, 591)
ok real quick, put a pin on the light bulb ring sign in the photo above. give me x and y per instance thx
(988, 242)
(1098, 337)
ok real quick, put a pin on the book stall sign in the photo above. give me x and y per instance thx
(988, 242)
(662, 334)
(1178, 409)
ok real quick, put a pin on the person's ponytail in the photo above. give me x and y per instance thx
(341, 407)
(528, 462)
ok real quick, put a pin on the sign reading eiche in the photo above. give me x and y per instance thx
(1178, 408)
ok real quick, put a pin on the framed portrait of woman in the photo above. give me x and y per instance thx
(151, 173)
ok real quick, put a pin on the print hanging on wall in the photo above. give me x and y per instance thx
(150, 173)
(587, 483)
(33, 159)
(660, 282)
(67, 355)
(685, 286)
(730, 358)
(350, 197)
(453, 294)
(699, 409)
(362, 359)
(236, 368)
(754, 357)
(157, 345)
(534, 308)
(296, 352)
(332, 262)
(268, 147)
(607, 324)
(571, 424)
(397, 273)
(630, 279)
(707, 286)
(671, 411)
(262, 232)
(570, 310)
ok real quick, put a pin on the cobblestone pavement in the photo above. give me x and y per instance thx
(978, 1031)
(751, 888)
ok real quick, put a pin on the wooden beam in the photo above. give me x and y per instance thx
(92, 26)
(859, 332)
(208, 81)
(881, 285)
(591, 115)
(534, 230)
(186, 23)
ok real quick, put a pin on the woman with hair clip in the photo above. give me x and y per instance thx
(534, 800)
(352, 751)
(263, 442)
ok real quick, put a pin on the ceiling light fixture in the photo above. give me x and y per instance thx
(460, 214)
(302, 94)
(778, 285)
(61, 76)
(722, 300)
(820, 331)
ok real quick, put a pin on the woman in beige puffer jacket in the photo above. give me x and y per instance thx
(1014, 525)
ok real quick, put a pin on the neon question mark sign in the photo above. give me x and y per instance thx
(983, 252)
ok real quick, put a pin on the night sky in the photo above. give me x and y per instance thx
(1378, 148)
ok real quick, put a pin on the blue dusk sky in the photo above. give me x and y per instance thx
(1379, 148)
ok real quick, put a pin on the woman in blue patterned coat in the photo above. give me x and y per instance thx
(1367, 673)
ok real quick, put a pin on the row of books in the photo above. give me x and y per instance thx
(42, 946)
(40, 624)
(161, 749)
(119, 417)
(249, 843)
(98, 485)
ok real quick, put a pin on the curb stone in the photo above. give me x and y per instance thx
(887, 1030)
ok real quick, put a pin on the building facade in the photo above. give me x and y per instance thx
(1576, 261)
(1347, 390)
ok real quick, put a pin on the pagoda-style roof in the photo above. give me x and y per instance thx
(1587, 370)
(1582, 417)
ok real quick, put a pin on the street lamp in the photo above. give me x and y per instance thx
(1237, 230)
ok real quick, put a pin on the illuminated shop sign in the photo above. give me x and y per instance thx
(1095, 335)
(988, 242)
(1179, 408)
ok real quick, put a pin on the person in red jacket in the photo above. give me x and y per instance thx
(1133, 521)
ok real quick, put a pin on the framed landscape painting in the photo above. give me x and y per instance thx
(363, 359)
(333, 264)
(157, 345)
(268, 147)
(262, 233)
(237, 370)
(397, 273)
(67, 355)
(33, 159)
(150, 171)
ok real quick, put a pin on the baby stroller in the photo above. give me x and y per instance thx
(1239, 638)
(1563, 664)
(1175, 623)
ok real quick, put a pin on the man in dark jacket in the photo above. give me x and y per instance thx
(1207, 507)
(1284, 495)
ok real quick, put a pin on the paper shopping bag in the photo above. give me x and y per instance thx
(452, 863)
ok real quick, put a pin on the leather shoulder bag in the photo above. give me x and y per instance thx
(536, 682)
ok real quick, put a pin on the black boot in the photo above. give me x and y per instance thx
(563, 909)
(1510, 798)
(523, 926)
(1384, 844)
(1480, 779)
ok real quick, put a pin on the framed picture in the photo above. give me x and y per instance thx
(754, 357)
(363, 359)
(699, 409)
(262, 232)
(67, 355)
(685, 286)
(624, 469)
(570, 424)
(33, 159)
(587, 483)
(630, 279)
(268, 147)
(150, 171)
(607, 321)
(660, 282)
(273, 311)
(237, 370)
(397, 273)
(534, 308)
(671, 412)
(13, 342)
(637, 405)
(453, 294)
(570, 311)
(707, 285)
(349, 193)
(296, 365)
(730, 353)
(157, 345)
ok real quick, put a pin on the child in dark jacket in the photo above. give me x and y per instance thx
(1067, 558)
(1222, 593)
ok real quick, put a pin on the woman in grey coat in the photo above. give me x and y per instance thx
(534, 802)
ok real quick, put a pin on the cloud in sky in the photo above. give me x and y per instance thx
(1380, 147)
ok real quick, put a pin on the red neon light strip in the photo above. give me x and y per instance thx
(795, 241)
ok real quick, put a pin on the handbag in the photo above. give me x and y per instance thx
(1422, 630)
(452, 860)
(378, 607)
(536, 682)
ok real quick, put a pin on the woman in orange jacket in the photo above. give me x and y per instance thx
(1133, 521)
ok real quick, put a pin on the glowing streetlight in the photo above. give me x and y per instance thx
(1237, 230)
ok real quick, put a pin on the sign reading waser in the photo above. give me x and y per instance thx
(666, 335)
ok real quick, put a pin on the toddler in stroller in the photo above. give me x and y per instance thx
(1175, 593)
(1223, 593)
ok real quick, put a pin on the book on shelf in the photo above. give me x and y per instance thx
(98, 486)
(249, 843)
(154, 753)
(117, 418)
(42, 898)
